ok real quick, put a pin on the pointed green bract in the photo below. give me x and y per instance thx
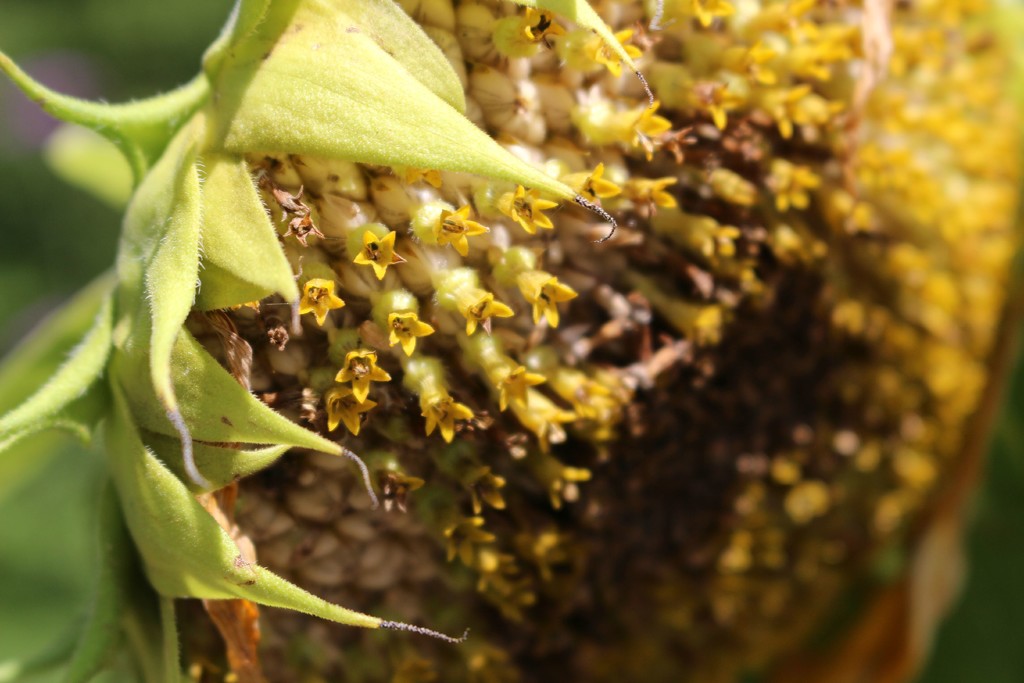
(216, 408)
(171, 275)
(242, 259)
(141, 130)
(168, 199)
(184, 551)
(47, 407)
(338, 94)
(382, 21)
(182, 547)
(271, 590)
(158, 265)
(219, 465)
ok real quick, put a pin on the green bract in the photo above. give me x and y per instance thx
(343, 79)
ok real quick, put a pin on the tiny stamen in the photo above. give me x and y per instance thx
(399, 626)
(591, 206)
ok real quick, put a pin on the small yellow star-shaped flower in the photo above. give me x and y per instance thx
(319, 299)
(342, 406)
(361, 368)
(414, 175)
(565, 479)
(791, 184)
(787, 108)
(651, 191)
(463, 538)
(753, 62)
(707, 10)
(404, 328)
(453, 227)
(719, 100)
(441, 413)
(544, 291)
(649, 126)
(544, 418)
(514, 385)
(604, 55)
(378, 252)
(592, 185)
(484, 487)
(480, 308)
(539, 24)
(525, 208)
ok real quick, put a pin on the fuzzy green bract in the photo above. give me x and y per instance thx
(215, 406)
(312, 80)
(346, 79)
(241, 257)
(184, 551)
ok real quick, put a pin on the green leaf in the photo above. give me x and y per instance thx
(216, 408)
(242, 259)
(141, 129)
(184, 551)
(219, 465)
(31, 365)
(313, 81)
(48, 406)
(101, 636)
(88, 161)
(38, 356)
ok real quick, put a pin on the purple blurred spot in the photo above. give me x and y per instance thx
(26, 125)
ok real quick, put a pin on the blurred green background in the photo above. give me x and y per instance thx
(56, 238)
